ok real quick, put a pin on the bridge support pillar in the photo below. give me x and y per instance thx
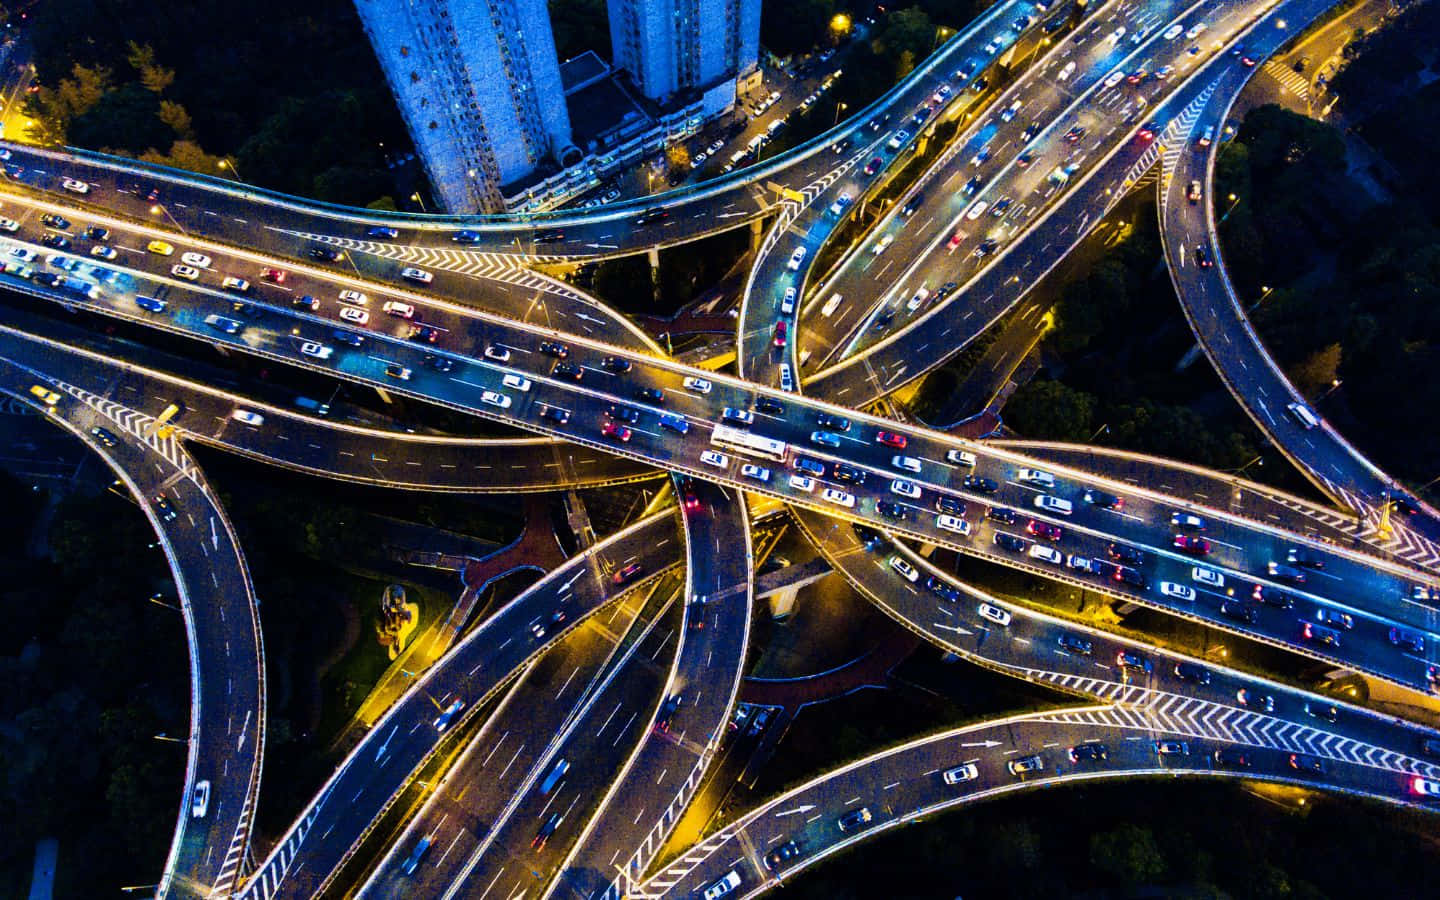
(579, 520)
(653, 254)
(927, 549)
(757, 234)
(782, 602)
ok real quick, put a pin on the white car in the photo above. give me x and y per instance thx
(908, 463)
(1202, 575)
(9, 225)
(839, 497)
(1173, 32)
(904, 488)
(977, 209)
(967, 772)
(189, 273)
(905, 569)
(518, 382)
(994, 614)
(235, 284)
(803, 483)
(1187, 521)
(1036, 477)
(1178, 591)
(316, 349)
(248, 417)
(396, 308)
(100, 251)
(691, 383)
(355, 298)
(200, 800)
(1053, 504)
(1115, 78)
(1046, 554)
(960, 458)
(727, 883)
(1066, 72)
(718, 460)
(198, 260)
(953, 523)
(497, 353)
(796, 258)
(919, 297)
(759, 473)
(1195, 30)
(495, 399)
(883, 244)
(351, 314)
(414, 274)
(75, 185)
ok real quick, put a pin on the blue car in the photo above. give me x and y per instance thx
(825, 438)
(150, 304)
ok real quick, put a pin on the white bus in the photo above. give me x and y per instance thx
(742, 441)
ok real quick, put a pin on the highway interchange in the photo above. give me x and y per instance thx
(476, 331)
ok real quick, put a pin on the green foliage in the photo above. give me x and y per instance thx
(907, 37)
(1049, 410)
(125, 119)
(1128, 853)
(795, 26)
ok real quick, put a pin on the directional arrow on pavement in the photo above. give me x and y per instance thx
(804, 808)
(386, 746)
(986, 744)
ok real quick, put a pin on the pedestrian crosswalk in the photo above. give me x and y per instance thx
(1288, 78)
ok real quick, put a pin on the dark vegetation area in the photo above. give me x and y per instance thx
(288, 94)
(1354, 273)
(92, 672)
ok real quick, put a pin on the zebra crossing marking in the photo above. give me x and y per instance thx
(1288, 78)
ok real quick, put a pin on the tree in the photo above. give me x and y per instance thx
(1050, 410)
(126, 119)
(908, 31)
(1318, 372)
(155, 78)
(1127, 852)
(174, 115)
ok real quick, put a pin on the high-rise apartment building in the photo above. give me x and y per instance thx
(671, 46)
(478, 84)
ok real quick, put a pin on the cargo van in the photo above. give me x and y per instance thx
(1303, 415)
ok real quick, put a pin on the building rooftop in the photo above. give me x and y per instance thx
(582, 70)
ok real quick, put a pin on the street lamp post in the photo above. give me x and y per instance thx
(159, 208)
(1234, 202)
(1264, 292)
(838, 108)
(416, 197)
(227, 163)
(1099, 431)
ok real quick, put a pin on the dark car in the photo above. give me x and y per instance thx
(781, 854)
(811, 467)
(1239, 610)
(1191, 544)
(1322, 711)
(890, 510)
(1300, 556)
(972, 185)
(1091, 752)
(1001, 514)
(1407, 640)
(667, 711)
(50, 220)
(848, 474)
(623, 413)
(555, 349)
(942, 589)
(1231, 758)
(873, 166)
(426, 334)
(348, 337)
(616, 365)
(56, 241)
(104, 436)
(832, 422)
(1306, 765)
(627, 574)
(983, 485)
(1286, 573)
(650, 395)
(769, 407)
(548, 828)
(868, 536)
(1076, 644)
(651, 216)
(466, 237)
(163, 509)
(324, 254)
(1104, 500)
(382, 231)
(1202, 257)
(568, 370)
(1319, 634)
(1272, 597)
(1130, 576)
(1124, 554)
(948, 504)
(1045, 530)
(97, 233)
(440, 363)
(305, 301)
(1009, 542)
(549, 237)
(555, 414)
(1129, 660)
(1191, 672)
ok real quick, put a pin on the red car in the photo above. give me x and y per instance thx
(890, 439)
(1189, 543)
(273, 274)
(627, 573)
(1045, 530)
(616, 431)
(955, 240)
(780, 332)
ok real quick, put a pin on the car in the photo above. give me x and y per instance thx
(832, 422)
(947, 503)
(1408, 641)
(1075, 133)
(838, 497)
(992, 613)
(1306, 765)
(100, 251)
(1074, 643)
(75, 186)
(986, 247)
(891, 510)
(1239, 611)
(627, 574)
(825, 439)
(1323, 711)
(1130, 576)
(698, 385)
(981, 485)
(1271, 597)
(758, 473)
(1052, 504)
(1009, 542)
(1190, 544)
(780, 334)
(200, 800)
(1082, 564)
(1319, 634)
(316, 349)
(1202, 257)
(890, 439)
(198, 260)
(1044, 530)
(1124, 553)
(1187, 521)
(904, 488)
(651, 216)
(56, 241)
(1334, 618)
(615, 431)
(547, 828)
(797, 256)
(1090, 752)
(896, 139)
(9, 225)
(324, 254)
(1129, 660)
(855, 819)
(781, 854)
(1177, 591)
(353, 297)
(1231, 758)
(1104, 500)
(1001, 514)
(1026, 765)
(942, 589)
(354, 314)
(883, 244)
(958, 774)
(554, 349)
(1428, 788)
(398, 309)
(495, 399)
(840, 204)
(953, 523)
(349, 338)
(735, 416)
(382, 231)
(615, 365)
(873, 166)
(230, 282)
(1195, 674)
(428, 334)
(1172, 748)
(247, 417)
(1300, 556)
(906, 570)
(397, 371)
(412, 273)
(802, 483)
(189, 273)
(667, 711)
(809, 466)
(712, 458)
(59, 223)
